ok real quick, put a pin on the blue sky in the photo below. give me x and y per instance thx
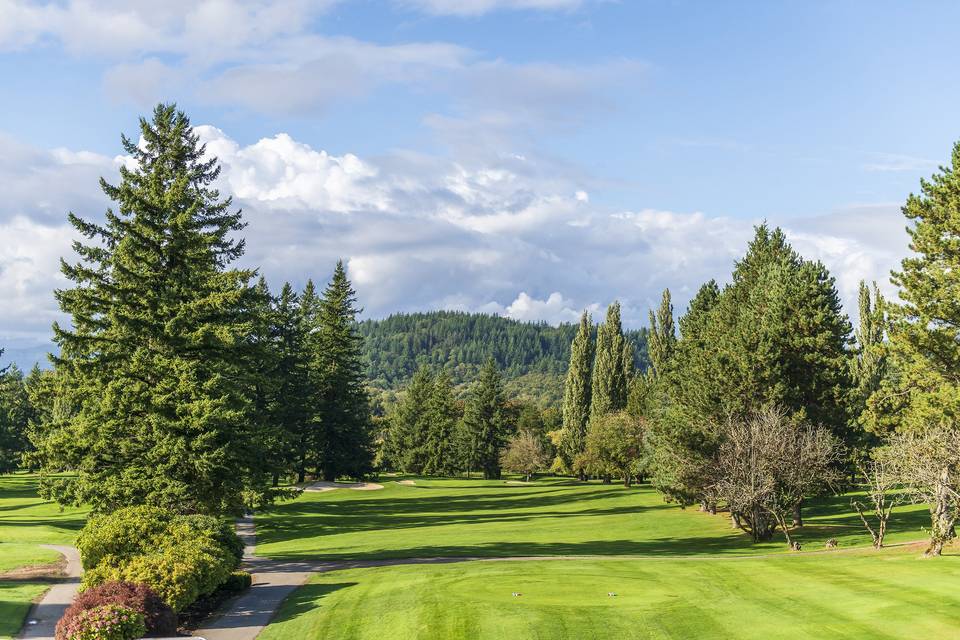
(525, 157)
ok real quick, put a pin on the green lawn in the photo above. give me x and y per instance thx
(856, 595)
(548, 517)
(26, 521)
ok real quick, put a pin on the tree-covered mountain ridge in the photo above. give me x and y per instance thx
(460, 342)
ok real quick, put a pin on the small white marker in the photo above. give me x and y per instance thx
(611, 594)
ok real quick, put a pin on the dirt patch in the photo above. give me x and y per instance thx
(38, 572)
(330, 486)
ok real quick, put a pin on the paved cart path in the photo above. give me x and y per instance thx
(41, 621)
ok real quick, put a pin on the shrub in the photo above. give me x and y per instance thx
(121, 534)
(238, 581)
(106, 622)
(181, 557)
(159, 618)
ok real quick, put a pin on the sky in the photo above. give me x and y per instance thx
(530, 158)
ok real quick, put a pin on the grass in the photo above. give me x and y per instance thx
(549, 517)
(27, 521)
(855, 595)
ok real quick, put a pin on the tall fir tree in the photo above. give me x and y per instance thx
(155, 358)
(608, 390)
(576, 390)
(16, 413)
(483, 418)
(662, 336)
(292, 407)
(309, 440)
(440, 457)
(346, 446)
(410, 424)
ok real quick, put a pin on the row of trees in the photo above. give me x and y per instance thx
(430, 432)
(181, 381)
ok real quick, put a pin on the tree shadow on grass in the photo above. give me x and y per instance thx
(306, 599)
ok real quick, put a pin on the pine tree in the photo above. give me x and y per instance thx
(608, 392)
(309, 441)
(346, 446)
(663, 336)
(576, 390)
(155, 358)
(483, 418)
(920, 397)
(16, 412)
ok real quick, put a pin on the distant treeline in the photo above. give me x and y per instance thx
(460, 342)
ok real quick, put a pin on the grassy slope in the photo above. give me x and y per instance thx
(833, 595)
(26, 521)
(549, 517)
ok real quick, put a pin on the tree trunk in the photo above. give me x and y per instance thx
(797, 514)
(276, 479)
(734, 520)
(942, 517)
(301, 475)
(606, 480)
(627, 480)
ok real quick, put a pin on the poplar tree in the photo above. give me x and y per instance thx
(345, 446)
(155, 355)
(576, 390)
(608, 392)
(662, 337)
(869, 362)
(483, 419)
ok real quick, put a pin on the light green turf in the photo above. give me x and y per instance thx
(548, 517)
(834, 595)
(27, 521)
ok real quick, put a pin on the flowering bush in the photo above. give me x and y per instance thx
(106, 622)
(159, 618)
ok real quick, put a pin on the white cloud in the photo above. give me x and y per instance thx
(506, 236)
(894, 162)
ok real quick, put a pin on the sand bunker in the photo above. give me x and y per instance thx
(330, 486)
(407, 483)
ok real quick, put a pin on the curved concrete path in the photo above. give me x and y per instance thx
(41, 621)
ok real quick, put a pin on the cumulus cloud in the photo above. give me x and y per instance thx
(421, 232)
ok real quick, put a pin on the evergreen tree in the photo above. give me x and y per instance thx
(309, 442)
(292, 406)
(156, 352)
(410, 425)
(346, 446)
(922, 390)
(576, 390)
(663, 336)
(483, 418)
(608, 392)
(441, 414)
(16, 412)
(869, 363)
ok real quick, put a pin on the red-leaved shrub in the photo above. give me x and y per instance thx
(158, 616)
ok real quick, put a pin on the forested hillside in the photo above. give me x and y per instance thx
(534, 354)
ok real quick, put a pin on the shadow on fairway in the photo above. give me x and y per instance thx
(308, 598)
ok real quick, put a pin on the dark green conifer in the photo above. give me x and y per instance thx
(576, 390)
(484, 419)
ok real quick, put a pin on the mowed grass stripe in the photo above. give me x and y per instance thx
(824, 596)
(552, 517)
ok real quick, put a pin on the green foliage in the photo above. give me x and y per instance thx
(577, 389)
(615, 446)
(180, 557)
(442, 412)
(922, 388)
(345, 446)
(608, 389)
(775, 336)
(16, 413)
(532, 357)
(156, 358)
(106, 622)
(484, 422)
(237, 582)
(662, 336)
